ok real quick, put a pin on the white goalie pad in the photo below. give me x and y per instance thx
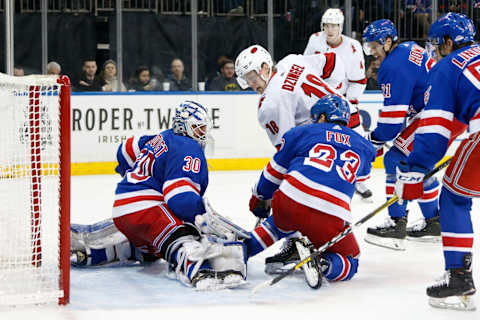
(95, 236)
(212, 222)
(226, 258)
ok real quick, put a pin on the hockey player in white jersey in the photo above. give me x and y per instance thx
(331, 39)
(288, 92)
(291, 88)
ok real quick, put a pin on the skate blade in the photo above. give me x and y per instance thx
(461, 303)
(279, 268)
(313, 275)
(426, 239)
(389, 243)
(216, 284)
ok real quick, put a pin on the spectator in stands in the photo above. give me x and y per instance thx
(18, 71)
(54, 68)
(178, 80)
(143, 81)
(109, 75)
(226, 80)
(422, 11)
(371, 74)
(89, 81)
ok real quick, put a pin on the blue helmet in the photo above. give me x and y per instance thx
(334, 108)
(380, 30)
(191, 119)
(455, 25)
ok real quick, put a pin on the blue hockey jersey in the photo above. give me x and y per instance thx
(317, 166)
(453, 92)
(128, 152)
(403, 79)
(169, 168)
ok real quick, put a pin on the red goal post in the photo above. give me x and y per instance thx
(34, 189)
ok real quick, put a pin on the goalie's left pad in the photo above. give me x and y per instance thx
(225, 268)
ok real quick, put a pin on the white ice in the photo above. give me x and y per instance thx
(389, 284)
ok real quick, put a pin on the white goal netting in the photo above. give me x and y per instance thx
(30, 190)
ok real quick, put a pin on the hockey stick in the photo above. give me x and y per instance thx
(342, 234)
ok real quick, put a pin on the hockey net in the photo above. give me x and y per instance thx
(34, 189)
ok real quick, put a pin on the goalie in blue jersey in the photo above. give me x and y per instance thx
(158, 205)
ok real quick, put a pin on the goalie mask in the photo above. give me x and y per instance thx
(192, 120)
(252, 59)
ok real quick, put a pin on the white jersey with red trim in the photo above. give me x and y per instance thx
(350, 51)
(298, 83)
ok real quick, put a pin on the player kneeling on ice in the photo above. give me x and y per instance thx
(156, 203)
(310, 182)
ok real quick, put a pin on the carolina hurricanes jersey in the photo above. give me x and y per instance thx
(350, 51)
(299, 82)
(403, 79)
(453, 92)
(170, 168)
(317, 166)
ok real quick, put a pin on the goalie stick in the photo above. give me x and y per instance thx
(342, 234)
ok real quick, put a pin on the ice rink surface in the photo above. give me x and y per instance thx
(389, 284)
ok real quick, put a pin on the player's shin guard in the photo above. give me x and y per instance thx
(339, 267)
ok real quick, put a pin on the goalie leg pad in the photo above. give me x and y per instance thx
(208, 264)
(97, 235)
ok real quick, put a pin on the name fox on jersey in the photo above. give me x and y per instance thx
(292, 77)
(338, 137)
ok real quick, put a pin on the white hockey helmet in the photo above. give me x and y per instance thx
(333, 16)
(192, 120)
(250, 59)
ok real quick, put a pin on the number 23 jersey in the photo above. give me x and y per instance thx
(298, 83)
(317, 165)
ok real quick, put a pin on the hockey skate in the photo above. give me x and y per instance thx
(364, 193)
(454, 289)
(391, 234)
(209, 280)
(287, 257)
(426, 230)
(312, 269)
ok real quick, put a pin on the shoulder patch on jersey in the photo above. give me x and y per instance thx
(329, 65)
(353, 49)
